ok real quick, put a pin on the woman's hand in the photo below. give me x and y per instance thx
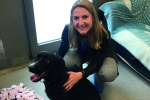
(74, 77)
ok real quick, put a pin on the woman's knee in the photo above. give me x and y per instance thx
(74, 58)
(108, 71)
(71, 58)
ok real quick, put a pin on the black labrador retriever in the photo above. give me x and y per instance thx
(52, 69)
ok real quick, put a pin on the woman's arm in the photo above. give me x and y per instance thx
(102, 18)
(64, 45)
(98, 58)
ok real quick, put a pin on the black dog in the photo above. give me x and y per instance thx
(52, 69)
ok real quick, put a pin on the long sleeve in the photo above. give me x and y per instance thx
(98, 58)
(102, 18)
(64, 45)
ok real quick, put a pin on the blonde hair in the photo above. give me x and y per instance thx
(94, 38)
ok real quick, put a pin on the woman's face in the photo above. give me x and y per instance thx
(82, 20)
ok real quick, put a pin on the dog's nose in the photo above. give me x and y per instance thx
(31, 69)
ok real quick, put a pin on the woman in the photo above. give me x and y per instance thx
(86, 40)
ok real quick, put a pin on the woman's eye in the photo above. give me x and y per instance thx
(84, 17)
(75, 18)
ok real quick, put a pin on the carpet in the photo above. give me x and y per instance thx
(18, 92)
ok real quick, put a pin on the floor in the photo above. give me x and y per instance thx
(128, 86)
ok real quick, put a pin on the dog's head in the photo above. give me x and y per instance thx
(45, 63)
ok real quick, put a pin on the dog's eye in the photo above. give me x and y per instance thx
(47, 61)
